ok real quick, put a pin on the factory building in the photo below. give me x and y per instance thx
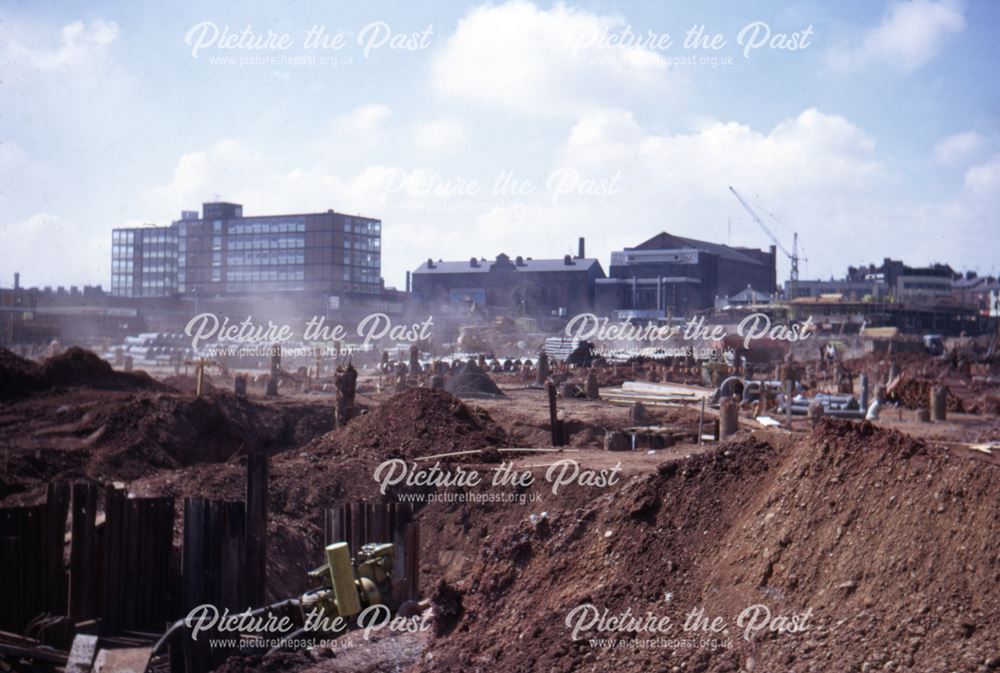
(673, 275)
(519, 286)
(224, 253)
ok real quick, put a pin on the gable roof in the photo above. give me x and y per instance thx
(532, 265)
(750, 295)
(665, 241)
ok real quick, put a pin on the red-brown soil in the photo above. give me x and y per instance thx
(890, 541)
(415, 423)
(74, 368)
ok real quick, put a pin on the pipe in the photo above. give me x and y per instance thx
(180, 623)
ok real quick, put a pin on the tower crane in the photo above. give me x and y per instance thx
(793, 256)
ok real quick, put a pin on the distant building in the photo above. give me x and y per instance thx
(892, 279)
(852, 290)
(144, 262)
(748, 297)
(919, 284)
(225, 253)
(675, 275)
(519, 286)
(981, 293)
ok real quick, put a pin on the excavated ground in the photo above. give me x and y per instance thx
(891, 542)
(889, 538)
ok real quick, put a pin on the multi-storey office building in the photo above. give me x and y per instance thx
(224, 253)
(144, 262)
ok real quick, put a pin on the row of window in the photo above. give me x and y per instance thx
(265, 258)
(158, 253)
(267, 286)
(240, 276)
(264, 242)
(122, 251)
(362, 226)
(361, 259)
(159, 268)
(362, 243)
(148, 236)
(280, 226)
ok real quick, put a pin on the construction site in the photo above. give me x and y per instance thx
(853, 481)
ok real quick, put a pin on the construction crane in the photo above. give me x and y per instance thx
(793, 256)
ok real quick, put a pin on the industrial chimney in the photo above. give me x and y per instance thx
(581, 254)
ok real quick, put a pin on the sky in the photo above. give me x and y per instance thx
(871, 129)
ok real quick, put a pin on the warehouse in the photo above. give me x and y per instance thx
(674, 275)
(522, 286)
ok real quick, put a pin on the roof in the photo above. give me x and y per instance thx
(751, 295)
(968, 283)
(665, 241)
(666, 280)
(532, 265)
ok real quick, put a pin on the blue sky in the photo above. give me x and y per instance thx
(877, 137)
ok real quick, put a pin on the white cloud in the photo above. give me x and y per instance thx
(239, 171)
(363, 120)
(960, 148)
(546, 62)
(679, 182)
(81, 45)
(910, 35)
(88, 262)
(984, 180)
(79, 71)
(362, 130)
(443, 135)
(819, 173)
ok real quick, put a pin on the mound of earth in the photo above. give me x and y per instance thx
(77, 367)
(915, 394)
(18, 376)
(417, 422)
(164, 431)
(472, 382)
(888, 544)
(189, 384)
(112, 435)
(74, 368)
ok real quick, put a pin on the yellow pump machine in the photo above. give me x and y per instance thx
(349, 586)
